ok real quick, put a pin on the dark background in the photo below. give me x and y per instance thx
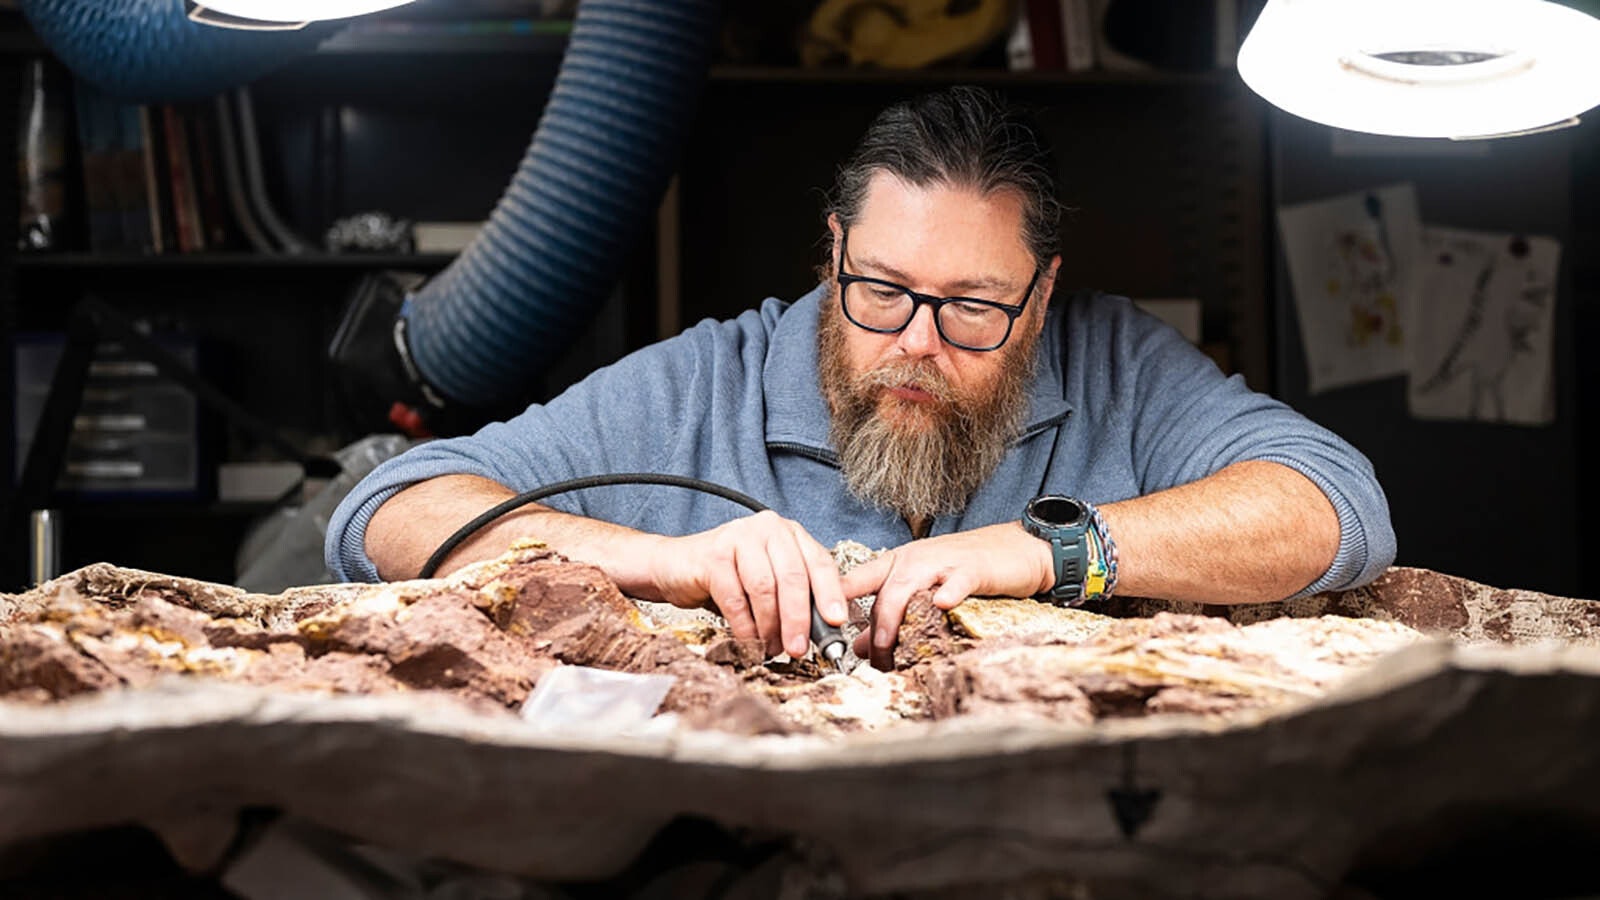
(1174, 176)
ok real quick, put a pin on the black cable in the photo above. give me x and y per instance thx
(828, 638)
(574, 484)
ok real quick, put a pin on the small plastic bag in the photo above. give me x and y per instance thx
(580, 698)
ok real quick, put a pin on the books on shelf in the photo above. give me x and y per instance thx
(1077, 35)
(1051, 36)
(1072, 36)
(151, 176)
(99, 140)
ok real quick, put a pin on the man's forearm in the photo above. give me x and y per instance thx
(1252, 532)
(411, 525)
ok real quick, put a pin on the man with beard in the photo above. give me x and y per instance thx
(927, 398)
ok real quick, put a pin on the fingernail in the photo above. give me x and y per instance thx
(797, 648)
(882, 638)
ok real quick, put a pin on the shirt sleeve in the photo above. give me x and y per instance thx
(625, 417)
(1189, 420)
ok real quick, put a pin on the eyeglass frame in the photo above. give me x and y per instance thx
(845, 279)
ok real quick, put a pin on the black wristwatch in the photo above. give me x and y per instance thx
(1062, 522)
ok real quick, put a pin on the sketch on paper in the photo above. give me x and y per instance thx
(1352, 261)
(1482, 327)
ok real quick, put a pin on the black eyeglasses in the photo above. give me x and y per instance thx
(887, 308)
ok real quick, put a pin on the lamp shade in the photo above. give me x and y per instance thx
(299, 10)
(1425, 68)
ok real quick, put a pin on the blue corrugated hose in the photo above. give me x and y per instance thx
(588, 185)
(607, 142)
(148, 50)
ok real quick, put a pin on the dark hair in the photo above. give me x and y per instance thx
(965, 137)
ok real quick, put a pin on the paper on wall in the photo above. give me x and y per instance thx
(1481, 327)
(1351, 260)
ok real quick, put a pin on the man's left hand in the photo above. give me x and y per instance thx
(997, 561)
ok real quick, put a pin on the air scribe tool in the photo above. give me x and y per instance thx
(829, 640)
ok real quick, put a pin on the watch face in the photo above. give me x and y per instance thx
(1061, 512)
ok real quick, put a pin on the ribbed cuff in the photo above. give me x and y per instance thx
(353, 559)
(1351, 559)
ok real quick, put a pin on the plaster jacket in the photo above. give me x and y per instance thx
(1120, 406)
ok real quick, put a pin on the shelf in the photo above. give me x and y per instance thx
(524, 37)
(103, 261)
(157, 507)
(931, 76)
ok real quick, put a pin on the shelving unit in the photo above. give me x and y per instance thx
(936, 76)
(426, 126)
(77, 261)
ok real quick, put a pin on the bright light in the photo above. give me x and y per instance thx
(1425, 68)
(297, 11)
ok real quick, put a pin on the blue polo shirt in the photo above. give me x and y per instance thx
(1120, 406)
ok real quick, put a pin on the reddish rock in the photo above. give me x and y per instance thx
(38, 662)
(1013, 681)
(734, 653)
(704, 694)
(926, 634)
(534, 597)
(1426, 601)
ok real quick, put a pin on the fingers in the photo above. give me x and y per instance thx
(888, 614)
(896, 578)
(760, 586)
(868, 577)
(823, 574)
(764, 572)
(776, 567)
(955, 589)
(727, 592)
(793, 595)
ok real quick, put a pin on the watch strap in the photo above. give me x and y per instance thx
(1083, 558)
(1069, 548)
(1070, 558)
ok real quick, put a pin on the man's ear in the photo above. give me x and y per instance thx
(834, 233)
(1046, 289)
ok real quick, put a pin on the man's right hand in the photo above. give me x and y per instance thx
(761, 572)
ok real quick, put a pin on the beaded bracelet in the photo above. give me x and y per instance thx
(1101, 578)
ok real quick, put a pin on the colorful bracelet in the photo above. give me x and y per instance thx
(1100, 579)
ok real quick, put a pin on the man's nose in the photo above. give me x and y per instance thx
(921, 335)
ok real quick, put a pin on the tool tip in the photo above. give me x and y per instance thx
(834, 653)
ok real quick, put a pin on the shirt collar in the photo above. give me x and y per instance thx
(797, 414)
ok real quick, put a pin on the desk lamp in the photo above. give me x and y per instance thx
(275, 15)
(1426, 68)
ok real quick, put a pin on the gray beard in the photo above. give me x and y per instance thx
(920, 473)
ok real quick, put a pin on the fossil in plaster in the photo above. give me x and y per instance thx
(485, 635)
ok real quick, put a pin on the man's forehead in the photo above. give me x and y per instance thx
(899, 225)
(888, 189)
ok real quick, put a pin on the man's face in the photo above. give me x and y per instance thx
(919, 423)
